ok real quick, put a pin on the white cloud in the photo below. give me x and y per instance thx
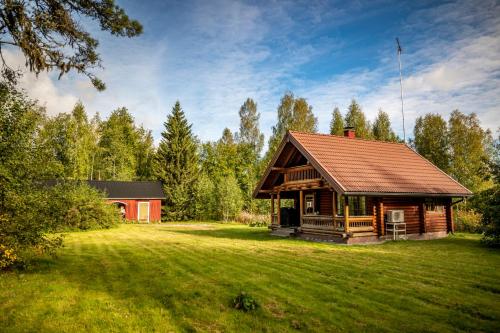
(463, 74)
(41, 87)
(215, 55)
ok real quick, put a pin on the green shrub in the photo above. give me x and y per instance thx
(468, 221)
(491, 216)
(78, 206)
(244, 302)
(24, 228)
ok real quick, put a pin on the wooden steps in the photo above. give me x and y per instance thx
(283, 232)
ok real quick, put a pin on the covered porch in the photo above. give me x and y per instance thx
(305, 203)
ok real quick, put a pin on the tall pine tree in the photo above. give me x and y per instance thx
(177, 165)
(337, 123)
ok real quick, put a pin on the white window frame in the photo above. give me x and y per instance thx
(311, 197)
(138, 210)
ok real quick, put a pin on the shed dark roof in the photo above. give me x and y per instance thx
(129, 189)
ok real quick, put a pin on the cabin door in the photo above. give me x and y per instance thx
(143, 211)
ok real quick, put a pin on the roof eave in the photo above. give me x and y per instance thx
(408, 194)
(257, 189)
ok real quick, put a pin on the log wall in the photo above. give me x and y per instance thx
(434, 221)
(325, 202)
(410, 207)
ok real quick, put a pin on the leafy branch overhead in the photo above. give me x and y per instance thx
(51, 36)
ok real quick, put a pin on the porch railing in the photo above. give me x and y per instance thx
(301, 173)
(328, 222)
(361, 223)
(323, 222)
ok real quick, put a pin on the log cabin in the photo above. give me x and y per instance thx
(139, 201)
(351, 190)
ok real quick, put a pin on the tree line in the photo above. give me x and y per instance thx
(215, 179)
(211, 180)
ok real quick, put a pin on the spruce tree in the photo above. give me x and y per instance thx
(177, 165)
(356, 118)
(337, 123)
(382, 128)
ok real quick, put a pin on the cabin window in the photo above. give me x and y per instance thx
(309, 204)
(357, 205)
(340, 205)
(433, 206)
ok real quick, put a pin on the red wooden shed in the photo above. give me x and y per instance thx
(139, 200)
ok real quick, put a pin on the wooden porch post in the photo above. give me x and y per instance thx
(380, 210)
(279, 208)
(272, 208)
(334, 209)
(450, 226)
(301, 205)
(346, 214)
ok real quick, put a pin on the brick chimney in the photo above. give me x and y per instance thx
(349, 132)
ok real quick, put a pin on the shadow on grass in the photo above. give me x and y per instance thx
(231, 233)
(178, 281)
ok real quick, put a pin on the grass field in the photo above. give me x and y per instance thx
(183, 277)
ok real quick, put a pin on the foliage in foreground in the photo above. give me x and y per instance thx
(245, 302)
(29, 211)
(50, 35)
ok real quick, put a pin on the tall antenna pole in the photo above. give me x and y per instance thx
(401, 86)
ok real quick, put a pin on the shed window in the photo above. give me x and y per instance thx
(434, 206)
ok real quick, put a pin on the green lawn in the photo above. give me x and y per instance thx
(182, 278)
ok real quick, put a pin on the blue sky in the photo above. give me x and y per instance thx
(212, 55)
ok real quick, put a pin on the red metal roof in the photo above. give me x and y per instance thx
(362, 166)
